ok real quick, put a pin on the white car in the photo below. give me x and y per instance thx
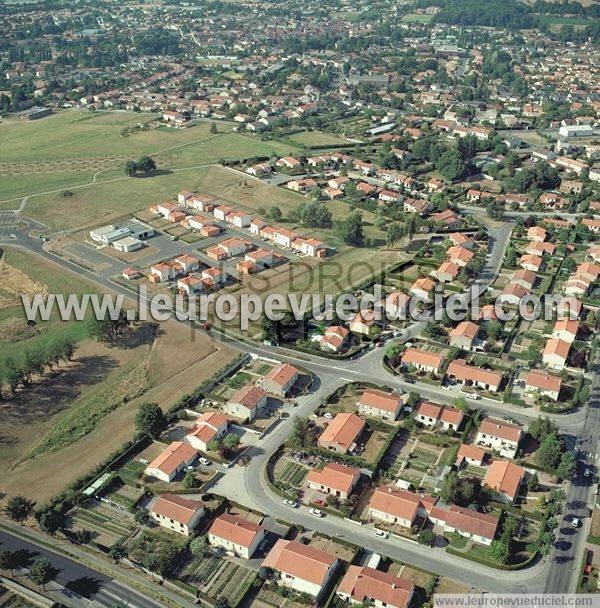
(290, 503)
(475, 396)
(587, 473)
(205, 461)
(327, 415)
(317, 512)
(381, 534)
(575, 522)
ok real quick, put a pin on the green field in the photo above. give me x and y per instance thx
(417, 18)
(552, 20)
(317, 138)
(67, 150)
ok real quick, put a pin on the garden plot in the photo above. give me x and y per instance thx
(289, 473)
(107, 525)
(227, 580)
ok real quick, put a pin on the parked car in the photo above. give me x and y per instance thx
(291, 503)
(381, 534)
(205, 461)
(317, 512)
(319, 502)
(327, 415)
(575, 522)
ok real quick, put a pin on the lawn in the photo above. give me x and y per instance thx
(417, 18)
(317, 138)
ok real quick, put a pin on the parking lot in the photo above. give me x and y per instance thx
(8, 232)
(96, 260)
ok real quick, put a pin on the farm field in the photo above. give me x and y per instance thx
(75, 417)
(67, 149)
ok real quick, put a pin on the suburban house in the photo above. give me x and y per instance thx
(539, 382)
(459, 255)
(466, 374)
(446, 273)
(470, 454)
(556, 353)
(301, 567)
(566, 330)
(525, 278)
(396, 305)
(380, 404)
(209, 427)
(424, 361)
(422, 288)
(237, 536)
(334, 338)
(396, 506)
(479, 527)
(505, 479)
(364, 322)
(531, 262)
(280, 380)
(431, 415)
(500, 436)
(365, 586)
(171, 461)
(246, 402)
(177, 513)
(336, 479)
(464, 335)
(341, 433)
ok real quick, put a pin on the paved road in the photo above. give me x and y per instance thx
(570, 546)
(84, 581)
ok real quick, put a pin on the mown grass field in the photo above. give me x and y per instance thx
(67, 149)
(417, 18)
(317, 138)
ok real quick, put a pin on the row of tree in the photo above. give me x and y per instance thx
(35, 360)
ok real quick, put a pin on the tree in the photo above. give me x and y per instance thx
(50, 520)
(394, 233)
(8, 560)
(141, 517)
(541, 427)
(460, 403)
(213, 128)
(548, 454)
(231, 442)
(18, 508)
(426, 537)
(275, 213)
(533, 483)
(450, 488)
(500, 551)
(265, 573)
(566, 466)
(410, 227)
(189, 480)
(150, 420)
(145, 164)
(117, 552)
(300, 432)
(42, 572)
(222, 602)
(199, 546)
(130, 168)
(350, 230)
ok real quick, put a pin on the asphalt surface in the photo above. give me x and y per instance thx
(77, 579)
